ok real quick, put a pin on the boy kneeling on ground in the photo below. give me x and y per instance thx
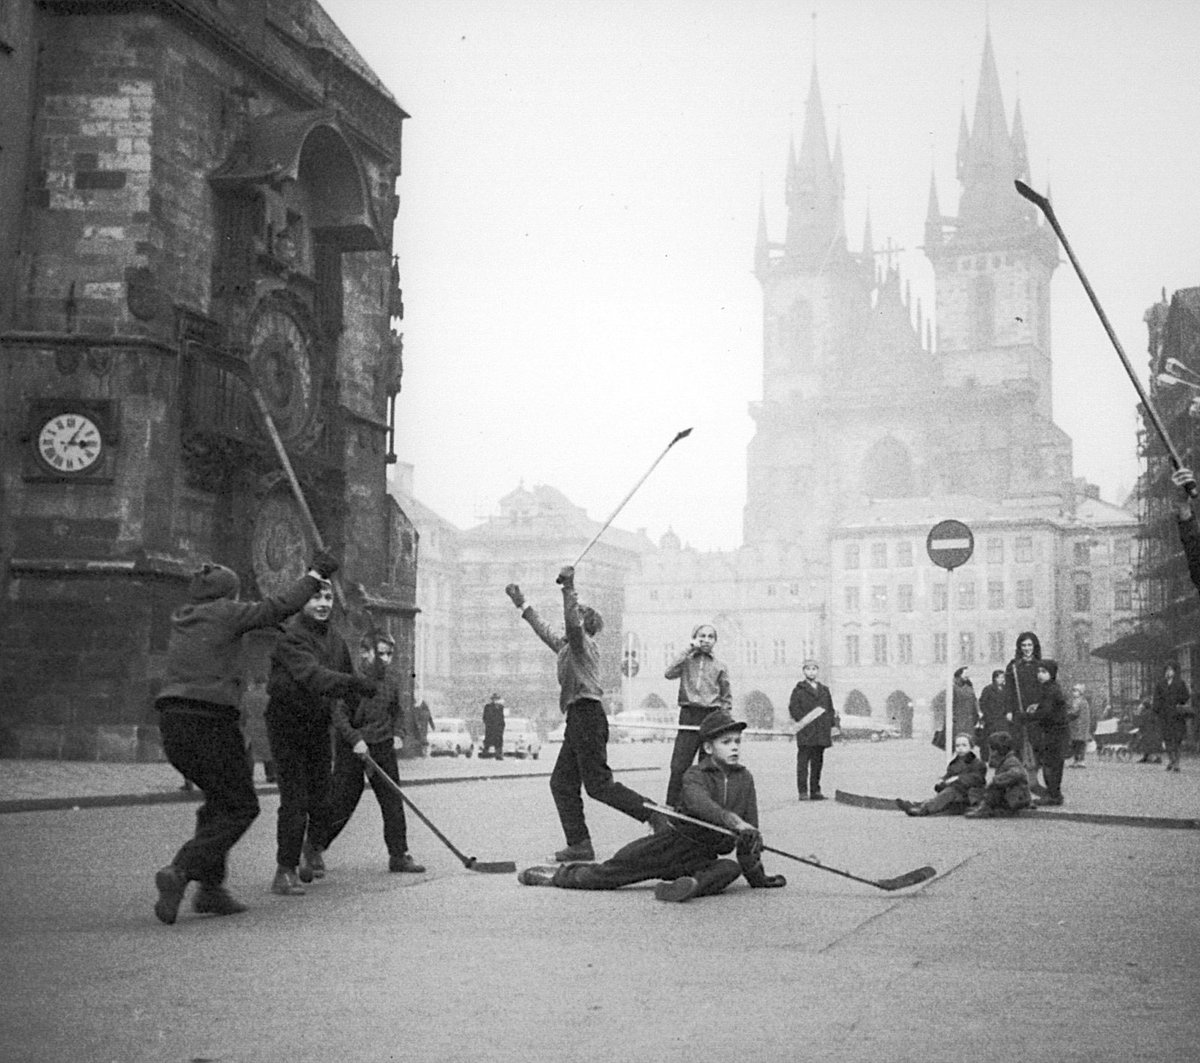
(685, 856)
(1008, 791)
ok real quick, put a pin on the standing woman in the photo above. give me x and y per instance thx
(1171, 698)
(703, 688)
(1022, 689)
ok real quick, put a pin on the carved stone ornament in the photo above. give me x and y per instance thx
(67, 359)
(279, 550)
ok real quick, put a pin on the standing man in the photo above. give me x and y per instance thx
(583, 759)
(811, 706)
(993, 711)
(493, 727)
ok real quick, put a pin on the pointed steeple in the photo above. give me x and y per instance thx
(762, 251)
(868, 247)
(1020, 152)
(815, 230)
(933, 218)
(964, 144)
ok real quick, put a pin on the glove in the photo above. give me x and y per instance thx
(368, 688)
(514, 592)
(566, 576)
(324, 564)
(749, 843)
(360, 748)
(939, 786)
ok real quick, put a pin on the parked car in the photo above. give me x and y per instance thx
(450, 737)
(521, 738)
(873, 730)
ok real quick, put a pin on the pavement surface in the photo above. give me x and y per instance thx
(1041, 938)
(869, 774)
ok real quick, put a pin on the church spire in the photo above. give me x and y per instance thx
(933, 218)
(762, 249)
(814, 197)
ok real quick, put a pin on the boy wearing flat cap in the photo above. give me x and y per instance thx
(687, 857)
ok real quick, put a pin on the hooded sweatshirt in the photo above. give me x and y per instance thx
(204, 656)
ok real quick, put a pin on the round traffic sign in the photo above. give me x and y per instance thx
(950, 544)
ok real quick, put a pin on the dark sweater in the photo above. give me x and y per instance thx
(310, 667)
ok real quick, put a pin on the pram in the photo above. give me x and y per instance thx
(1111, 741)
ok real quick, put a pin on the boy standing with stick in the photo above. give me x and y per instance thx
(811, 706)
(583, 759)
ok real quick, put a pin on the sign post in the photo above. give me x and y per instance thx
(950, 544)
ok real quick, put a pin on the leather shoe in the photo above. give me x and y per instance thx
(818, 796)
(311, 863)
(406, 864)
(287, 883)
(172, 884)
(677, 890)
(579, 852)
(539, 875)
(215, 900)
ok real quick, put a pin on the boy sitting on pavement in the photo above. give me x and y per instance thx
(1008, 791)
(687, 857)
(960, 787)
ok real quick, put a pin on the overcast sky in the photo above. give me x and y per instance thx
(579, 203)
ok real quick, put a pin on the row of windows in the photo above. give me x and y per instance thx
(993, 552)
(882, 646)
(746, 651)
(997, 598)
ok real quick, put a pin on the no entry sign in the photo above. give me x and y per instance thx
(950, 544)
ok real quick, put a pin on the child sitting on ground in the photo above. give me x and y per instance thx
(687, 857)
(1008, 792)
(960, 787)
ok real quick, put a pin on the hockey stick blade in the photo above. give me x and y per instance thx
(910, 878)
(1036, 198)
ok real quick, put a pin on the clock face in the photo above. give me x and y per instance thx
(69, 443)
(278, 545)
(281, 360)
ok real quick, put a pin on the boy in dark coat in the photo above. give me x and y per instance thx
(811, 706)
(583, 758)
(310, 668)
(198, 720)
(368, 726)
(687, 857)
(1048, 730)
(960, 787)
(1008, 791)
(993, 710)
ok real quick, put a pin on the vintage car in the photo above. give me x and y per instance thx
(450, 738)
(866, 727)
(521, 738)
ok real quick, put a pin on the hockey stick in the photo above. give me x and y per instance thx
(616, 722)
(1043, 204)
(497, 867)
(909, 878)
(678, 436)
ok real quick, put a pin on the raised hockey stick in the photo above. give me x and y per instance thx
(1043, 204)
(909, 878)
(496, 867)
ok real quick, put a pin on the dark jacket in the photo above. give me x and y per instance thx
(578, 655)
(1189, 536)
(1169, 699)
(967, 774)
(1047, 725)
(1010, 781)
(716, 795)
(310, 667)
(493, 718)
(204, 655)
(993, 707)
(804, 700)
(1021, 686)
(371, 720)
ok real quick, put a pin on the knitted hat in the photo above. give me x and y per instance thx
(718, 723)
(1000, 742)
(212, 581)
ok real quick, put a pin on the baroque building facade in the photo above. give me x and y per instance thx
(199, 199)
(874, 425)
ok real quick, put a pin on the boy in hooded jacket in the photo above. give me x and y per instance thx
(686, 856)
(1048, 730)
(1008, 791)
(703, 688)
(310, 669)
(198, 720)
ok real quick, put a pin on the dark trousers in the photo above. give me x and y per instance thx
(1051, 761)
(583, 765)
(348, 788)
(668, 855)
(210, 754)
(687, 743)
(809, 761)
(302, 760)
(949, 800)
(493, 740)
